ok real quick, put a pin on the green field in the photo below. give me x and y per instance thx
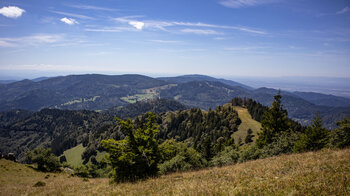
(137, 97)
(73, 155)
(247, 123)
(325, 172)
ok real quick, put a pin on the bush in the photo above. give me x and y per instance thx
(283, 144)
(39, 184)
(179, 157)
(86, 171)
(228, 156)
(43, 157)
(250, 152)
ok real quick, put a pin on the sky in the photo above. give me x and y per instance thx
(253, 38)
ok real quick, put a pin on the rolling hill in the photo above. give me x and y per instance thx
(102, 92)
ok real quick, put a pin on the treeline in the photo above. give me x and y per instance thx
(141, 107)
(153, 144)
(279, 135)
(206, 132)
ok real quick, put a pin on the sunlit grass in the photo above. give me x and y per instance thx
(73, 155)
(247, 123)
(325, 172)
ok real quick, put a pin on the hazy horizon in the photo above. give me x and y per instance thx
(248, 38)
(327, 85)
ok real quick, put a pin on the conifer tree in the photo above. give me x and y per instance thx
(314, 138)
(341, 136)
(136, 156)
(275, 121)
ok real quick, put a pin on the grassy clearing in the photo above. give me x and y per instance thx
(100, 155)
(137, 97)
(247, 123)
(325, 172)
(73, 155)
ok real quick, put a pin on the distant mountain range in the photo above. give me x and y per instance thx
(102, 92)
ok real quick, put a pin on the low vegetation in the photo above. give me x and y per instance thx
(325, 172)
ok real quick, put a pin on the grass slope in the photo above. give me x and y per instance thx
(247, 123)
(73, 155)
(325, 172)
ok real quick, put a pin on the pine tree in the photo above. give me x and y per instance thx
(248, 138)
(314, 138)
(136, 156)
(341, 136)
(275, 121)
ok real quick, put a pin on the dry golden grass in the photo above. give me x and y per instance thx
(325, 172)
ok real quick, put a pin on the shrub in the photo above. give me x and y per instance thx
(39, 184)
(45, 160)
(179, 157)
(283, 144)
(250, 152)
(86, 171)
(228, 156)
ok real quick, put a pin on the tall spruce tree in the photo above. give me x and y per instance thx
(136, 156)
(314, 138)
(275, 121)
(340, 137)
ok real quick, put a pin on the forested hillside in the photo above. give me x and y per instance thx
(103, 92)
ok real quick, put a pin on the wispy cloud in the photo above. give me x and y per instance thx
(91, 7)
(245, 3)
(164, 25)
(166, 41)
(11, 11)
(69, 21)
(343, 11)
(31, 40)
(201, 31)
(74, 15)
(110, 29)
(248, 48)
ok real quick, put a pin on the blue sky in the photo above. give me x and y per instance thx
(170, 37)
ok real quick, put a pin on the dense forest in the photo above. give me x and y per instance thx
(113, 93)
(174, 139)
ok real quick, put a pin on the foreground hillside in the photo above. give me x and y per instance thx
(325, 172)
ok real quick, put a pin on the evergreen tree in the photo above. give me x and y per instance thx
(341, 136)
(136, 156)
(314, 138)
(275, 121)
(248, 138)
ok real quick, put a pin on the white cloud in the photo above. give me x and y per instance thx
(30, 40)
(249, 30)
(138, 25)
(69, 21)
(244, 3)
(343, 11)
(201, 31)
(74, 15)
(12, 11)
